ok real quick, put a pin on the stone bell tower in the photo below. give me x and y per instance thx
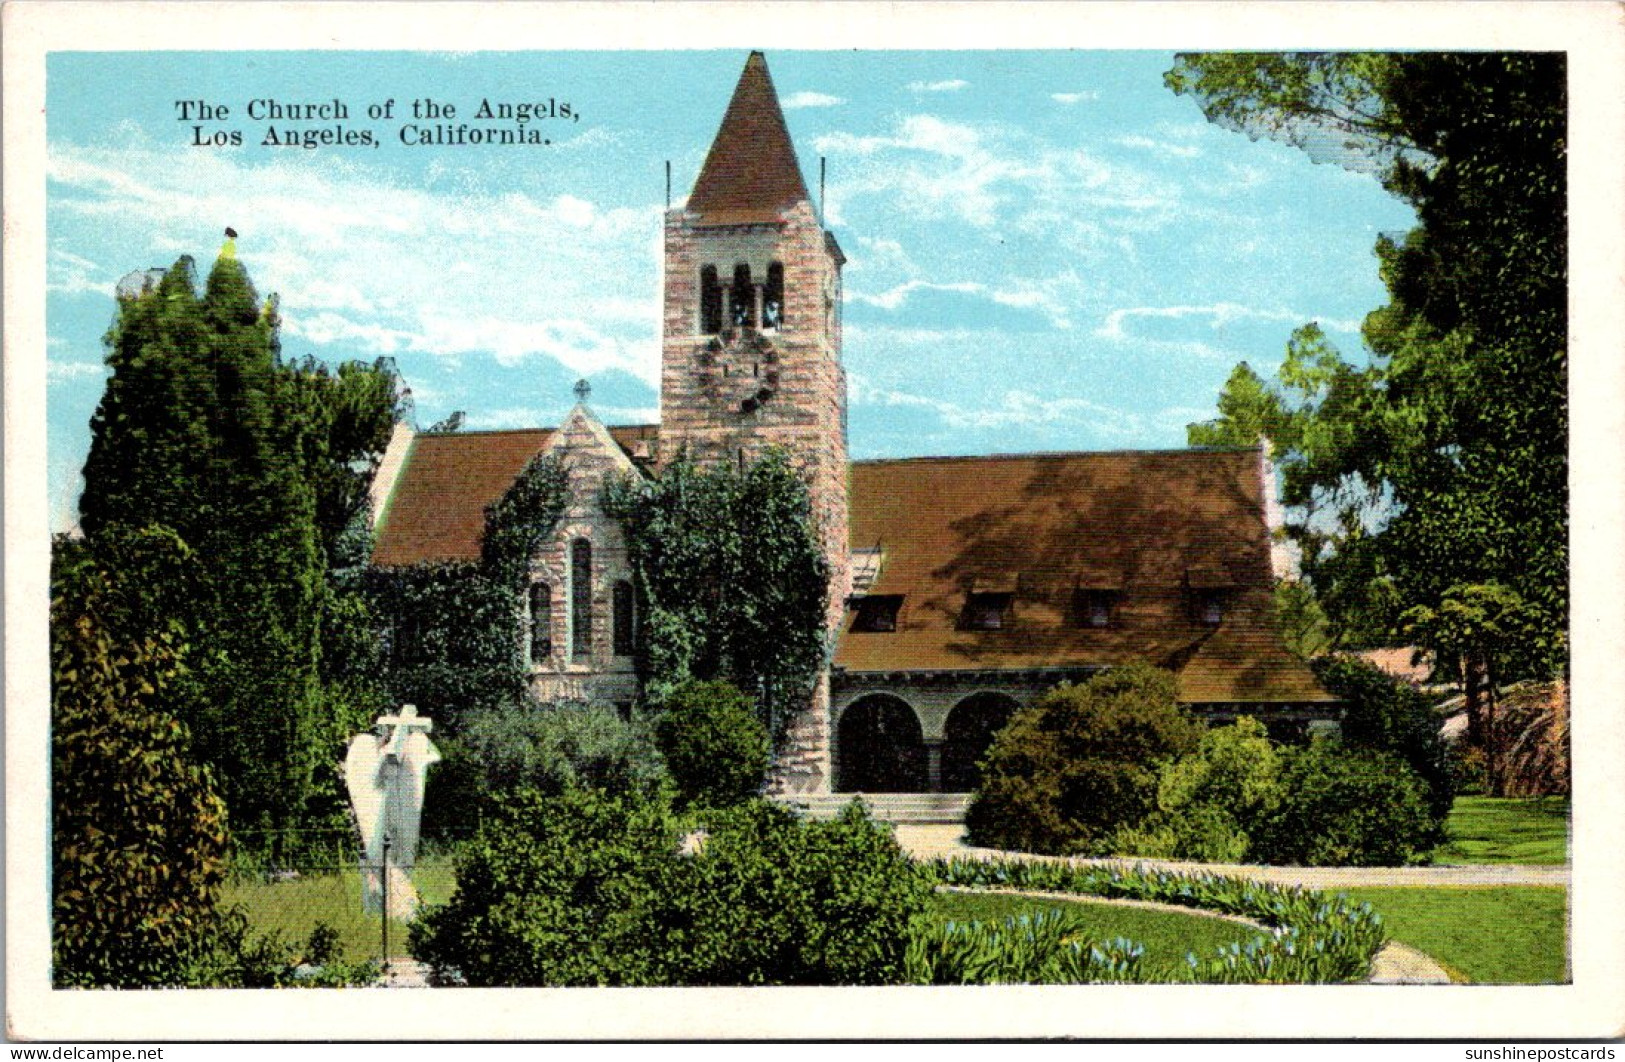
(751, 346)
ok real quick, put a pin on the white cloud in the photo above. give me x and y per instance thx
(1160, 147)
(1013, 409)
(798, 100)
(993, 176)
(952, 85)
(362, 262)
(1023, 295)
(61, 371)
(1069, 98)
(1219, 315)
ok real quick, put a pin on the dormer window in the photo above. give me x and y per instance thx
(1094, 608)
(773, 297)
(985, 612)
(877, 613)
(742, 298)
(1210, 587)
(710, 301)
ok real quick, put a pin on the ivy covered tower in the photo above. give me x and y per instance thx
(751, 354)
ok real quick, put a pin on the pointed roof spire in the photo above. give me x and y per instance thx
(750, 174)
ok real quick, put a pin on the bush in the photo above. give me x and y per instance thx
(586, 888)
(545, 747)
(1346, 807)
(1212, 801)
(1080, 763)
(715, 746)
(774, 900)
(560, 890)
(1391, 715)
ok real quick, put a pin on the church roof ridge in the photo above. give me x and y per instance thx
(541, 430)
(1028, 455)
(750, 174)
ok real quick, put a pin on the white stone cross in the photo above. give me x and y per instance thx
(386, 773)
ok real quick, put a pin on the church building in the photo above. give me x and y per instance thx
(961, 587)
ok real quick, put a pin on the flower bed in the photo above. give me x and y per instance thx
(1311, 939)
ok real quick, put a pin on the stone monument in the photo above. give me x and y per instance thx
(385, 771)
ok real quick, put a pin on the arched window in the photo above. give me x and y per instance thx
(541, 622)
(773, 297)
(742, 300)
(580, 599)
(626, 629)
(710, 301)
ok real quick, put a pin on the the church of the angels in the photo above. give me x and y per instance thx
(962, 587)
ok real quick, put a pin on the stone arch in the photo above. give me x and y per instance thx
(879, 747)
(968, 732)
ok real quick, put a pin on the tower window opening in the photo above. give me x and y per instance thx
(773, 297)
(710, 301)
(742, 301)
(580, 599)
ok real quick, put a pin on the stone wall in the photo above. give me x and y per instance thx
(590, 457)
(705, 407)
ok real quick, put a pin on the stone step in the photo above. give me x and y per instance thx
(887, 807)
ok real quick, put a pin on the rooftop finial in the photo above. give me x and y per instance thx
(582, 389)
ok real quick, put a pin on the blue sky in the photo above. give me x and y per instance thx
(1047, 250)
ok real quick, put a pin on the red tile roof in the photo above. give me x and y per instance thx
(1036, 527)
(750, 174)
(437, 509)
(1045, 525)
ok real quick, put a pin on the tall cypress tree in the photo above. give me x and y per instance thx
(203, 433)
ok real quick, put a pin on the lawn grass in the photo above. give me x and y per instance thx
(1166, 935)
(1500, 934)
(1500, 830)
(293, 908)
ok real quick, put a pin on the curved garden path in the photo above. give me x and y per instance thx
(931, 842)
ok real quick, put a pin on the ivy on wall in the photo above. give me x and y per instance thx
(454, 631)
(731, 581)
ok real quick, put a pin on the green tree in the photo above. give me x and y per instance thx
(1444, 462)
(1482, 630)
(731, 579)
(259, 470)
(138, 829)
(1389, 714)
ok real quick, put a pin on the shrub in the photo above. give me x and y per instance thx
(715, 746)
(775, 900)
(1080, 762)
(1346, 807)
(1391, 715)
(560, 890)
(545, 747)
(1213, 800)
(586, 888)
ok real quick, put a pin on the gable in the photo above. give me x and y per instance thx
(436, 511)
